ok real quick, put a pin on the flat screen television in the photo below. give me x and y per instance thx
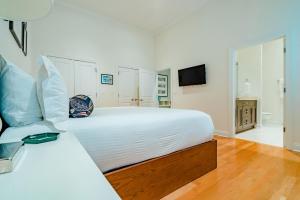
(192, 76)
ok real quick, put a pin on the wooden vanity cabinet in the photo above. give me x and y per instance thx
(246, 112)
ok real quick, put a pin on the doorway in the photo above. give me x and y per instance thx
(259, 89)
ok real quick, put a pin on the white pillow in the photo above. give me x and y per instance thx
(52, 92)
(18, 99)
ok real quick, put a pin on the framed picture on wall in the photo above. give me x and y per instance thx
(107, 79)
(162, 85)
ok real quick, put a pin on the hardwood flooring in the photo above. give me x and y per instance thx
(247, 170)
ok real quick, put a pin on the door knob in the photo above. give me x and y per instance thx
(141, 99)
(132, 99)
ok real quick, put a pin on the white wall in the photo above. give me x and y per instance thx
(272, 75)
(249, 68)
(10, 50)
(75, 33)
(209, 35)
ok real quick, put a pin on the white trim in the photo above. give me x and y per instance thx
(223, 133)
(72, 59)
(259, 102)
(98, 15)
(296, 147)
(232, 92)
(289, 117)
(134, 68)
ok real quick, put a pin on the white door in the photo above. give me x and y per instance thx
(128, 86)
(86, 79)
(147, 88)
(66, 69)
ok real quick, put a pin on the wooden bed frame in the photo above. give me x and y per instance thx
(158, 177)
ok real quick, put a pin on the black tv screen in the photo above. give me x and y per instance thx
(192, 76)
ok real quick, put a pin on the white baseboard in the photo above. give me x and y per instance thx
(296, 147)
(223, 133)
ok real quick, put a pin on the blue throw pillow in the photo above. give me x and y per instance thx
(80, 106)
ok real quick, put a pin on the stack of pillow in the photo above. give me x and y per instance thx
(25, 101)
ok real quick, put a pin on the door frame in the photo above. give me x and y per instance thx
(287, 109)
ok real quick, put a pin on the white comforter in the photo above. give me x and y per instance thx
(116, 137)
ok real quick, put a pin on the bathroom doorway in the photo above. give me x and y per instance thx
(260, 89)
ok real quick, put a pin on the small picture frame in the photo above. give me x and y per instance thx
(107, 79)
(162, 86)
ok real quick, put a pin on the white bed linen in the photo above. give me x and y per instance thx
(116, 137)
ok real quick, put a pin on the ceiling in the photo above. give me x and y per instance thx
(152, 15)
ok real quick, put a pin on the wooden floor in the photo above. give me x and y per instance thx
(247, 170)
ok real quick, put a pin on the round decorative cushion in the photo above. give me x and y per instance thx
(80, 106)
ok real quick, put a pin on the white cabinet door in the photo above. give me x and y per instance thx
(148, 88)
(80, 77)
(128, 86)
(66, 69)
(86, 79)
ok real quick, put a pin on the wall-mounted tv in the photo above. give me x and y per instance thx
(192, 76)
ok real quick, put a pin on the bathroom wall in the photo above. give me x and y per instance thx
(249, 75)
(249, 70)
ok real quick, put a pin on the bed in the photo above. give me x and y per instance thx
(121, 136)
(145, 153)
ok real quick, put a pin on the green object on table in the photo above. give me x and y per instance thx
(40, 138)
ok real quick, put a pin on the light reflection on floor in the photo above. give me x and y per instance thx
(270, 134)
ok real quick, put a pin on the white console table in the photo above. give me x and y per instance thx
(58, 170)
